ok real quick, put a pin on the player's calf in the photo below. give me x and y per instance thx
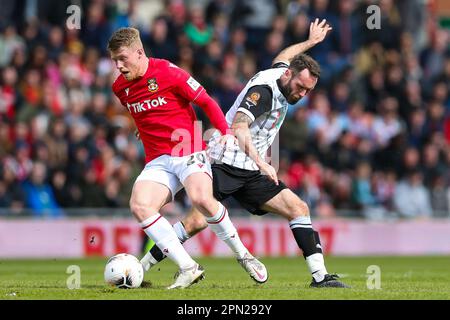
(308, 241)
(290, 206)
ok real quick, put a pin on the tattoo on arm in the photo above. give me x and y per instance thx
(241, 129)
(241, 117)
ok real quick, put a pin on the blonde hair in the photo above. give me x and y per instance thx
(124, 37)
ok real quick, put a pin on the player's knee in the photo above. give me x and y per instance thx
(300, 209)
(140, 209)
(136, 208)
(201, 201)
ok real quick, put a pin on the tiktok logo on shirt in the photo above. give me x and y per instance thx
(146, 105)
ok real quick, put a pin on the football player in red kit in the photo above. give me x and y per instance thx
(158, 95)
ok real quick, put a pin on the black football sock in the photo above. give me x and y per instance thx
(308, 241)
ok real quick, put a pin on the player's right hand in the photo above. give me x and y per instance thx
(268, 170)
(318, 30)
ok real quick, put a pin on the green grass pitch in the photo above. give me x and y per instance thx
(401, 278)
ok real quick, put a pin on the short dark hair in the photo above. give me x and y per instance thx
(303, 61)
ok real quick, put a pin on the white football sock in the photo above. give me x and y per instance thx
(316, 266)
(148, 261)
(162, 233)
(181, 232)
(222, 226)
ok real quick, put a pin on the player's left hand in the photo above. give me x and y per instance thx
(318, 31)
(227, 138)
(218, 145)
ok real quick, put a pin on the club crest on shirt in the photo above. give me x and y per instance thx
(152, 85)
(253, 98)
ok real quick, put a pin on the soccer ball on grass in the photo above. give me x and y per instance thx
(124, 271)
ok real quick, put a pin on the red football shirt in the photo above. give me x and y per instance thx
(159, 103)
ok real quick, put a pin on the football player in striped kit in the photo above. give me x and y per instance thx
(240, 170)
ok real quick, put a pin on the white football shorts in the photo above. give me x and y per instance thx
(172, 171)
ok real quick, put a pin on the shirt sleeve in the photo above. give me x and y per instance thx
(115, 91)
(280, 64)
(257, 101)
(185, 85)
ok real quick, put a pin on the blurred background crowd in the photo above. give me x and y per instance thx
(372, 140)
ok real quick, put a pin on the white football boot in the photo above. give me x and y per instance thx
(187, 277)
(254, 268)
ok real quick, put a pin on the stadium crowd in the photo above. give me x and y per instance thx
(373, 138)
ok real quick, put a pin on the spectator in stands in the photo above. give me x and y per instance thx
(95, 29)
(10, 41)
(39, 194)
(65, 194)
(6, 143)
(432, 166)
(362, 193)
(439, 195)
(375, 89)
(158, 42)
(383, 185)
(411, 198)
(436, 117)
(198, 31)
(226, 90)
(417, 133)
(294, 133)
(238, 39)
(257, 19)
(342, 153)
(9, 96)
(11, 192)
(387, 125)
(273, 44)
(433, 58)
(298, 30)
(347, 36)
(410, 160)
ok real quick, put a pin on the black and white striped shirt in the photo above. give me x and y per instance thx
(263, 102)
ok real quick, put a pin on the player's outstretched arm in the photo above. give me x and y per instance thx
(317, 33)
(213, 111)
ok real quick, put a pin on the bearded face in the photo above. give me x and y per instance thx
(295, 86)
